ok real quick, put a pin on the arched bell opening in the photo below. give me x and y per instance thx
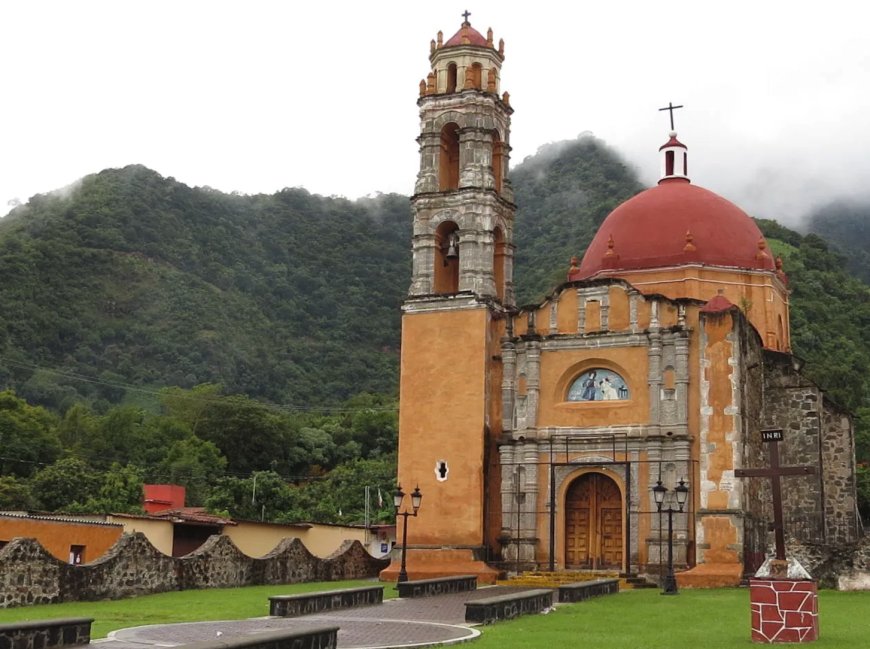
(448, 167)
(447, 258)
(497, 161)
(498, 263)
(451, 78)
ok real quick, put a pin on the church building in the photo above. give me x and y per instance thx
(536, 435)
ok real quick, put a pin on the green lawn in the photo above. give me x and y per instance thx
(702, 619)
(176, 606)
(695, 619)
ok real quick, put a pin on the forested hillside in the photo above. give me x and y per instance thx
(150, 331)
(563, 193)
(132, 278)
(846, 225)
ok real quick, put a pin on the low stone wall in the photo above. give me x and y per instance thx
(46, 634)
(330, 600)
(317, 638)
(30, 575)
(507, 607)
(843, 566)
(437, 586)
(583, 590)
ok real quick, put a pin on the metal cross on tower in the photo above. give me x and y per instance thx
(466, 15)
(772, 438)
(671, 108)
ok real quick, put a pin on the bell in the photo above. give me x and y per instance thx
(452, 250)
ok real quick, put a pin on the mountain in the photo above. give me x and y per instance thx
(563, 193)
(132, 278)
(846, 225)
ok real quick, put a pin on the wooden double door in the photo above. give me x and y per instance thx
(593, 523)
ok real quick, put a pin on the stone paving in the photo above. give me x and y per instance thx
(395, 623)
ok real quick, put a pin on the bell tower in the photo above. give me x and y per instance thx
(463, 202)
(454, 316)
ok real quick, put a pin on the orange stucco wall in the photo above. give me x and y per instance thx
(58, 536)
(719, 535)
(442, 417)
(760, 295)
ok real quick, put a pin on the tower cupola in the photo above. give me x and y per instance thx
(468, 60)
(675, 162)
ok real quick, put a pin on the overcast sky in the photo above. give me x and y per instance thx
(256, 96)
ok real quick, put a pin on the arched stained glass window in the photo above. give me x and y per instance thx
(598, 384)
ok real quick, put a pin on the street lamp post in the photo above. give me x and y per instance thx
(681, 492)
(416, 499)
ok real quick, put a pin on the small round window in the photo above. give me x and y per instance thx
(598, 384)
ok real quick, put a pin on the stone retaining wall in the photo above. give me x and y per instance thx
(437, 586)
(582, 590)
(31, 575)
(46, 634)
(507, 607)
(330, 600)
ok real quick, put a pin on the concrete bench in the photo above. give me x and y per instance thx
(46, 634)
(507, 607)
(437, 586)
(583, 590)
(328, 600)
(315, 638)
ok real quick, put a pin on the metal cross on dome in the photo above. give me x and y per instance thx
(671, 108)
(466, 15)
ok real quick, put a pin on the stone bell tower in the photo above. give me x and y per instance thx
(454, 316)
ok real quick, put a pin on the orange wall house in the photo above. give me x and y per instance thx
(74, 541)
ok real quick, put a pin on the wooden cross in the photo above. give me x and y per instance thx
(772, 437)
(671, 108)
(466, 15)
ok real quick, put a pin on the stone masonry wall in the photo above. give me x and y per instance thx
(793, 404)
(30, 575)
(838, 453)
(843, 566)
(816, 433)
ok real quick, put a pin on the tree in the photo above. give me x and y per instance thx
(343, 490)
(262, 496)
(249, 434)
(15, 494)
(28, 436)
(194, 463)
(120, 492)
(67, 482)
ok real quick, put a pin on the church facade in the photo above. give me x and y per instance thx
(536, 434)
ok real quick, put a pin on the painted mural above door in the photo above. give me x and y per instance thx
(598, 384)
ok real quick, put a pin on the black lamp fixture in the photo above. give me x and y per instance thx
(416, 500)
(681, 495)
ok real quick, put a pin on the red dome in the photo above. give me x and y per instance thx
(675, 223)
(467, 31)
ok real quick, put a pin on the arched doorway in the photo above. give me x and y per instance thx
(593, 523)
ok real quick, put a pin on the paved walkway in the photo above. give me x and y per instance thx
(395, 623)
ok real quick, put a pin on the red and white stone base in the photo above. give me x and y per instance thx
(784, 610)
